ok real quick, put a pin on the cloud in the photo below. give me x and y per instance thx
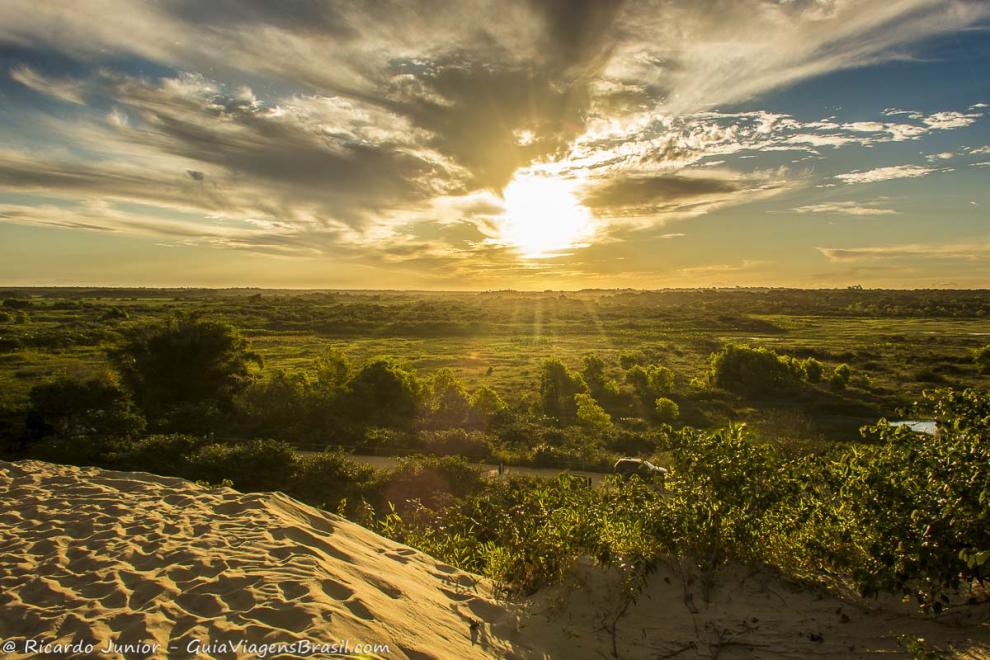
(966, 251)
(886, 174)
(843, 208)
(337, 126)
(64, 90)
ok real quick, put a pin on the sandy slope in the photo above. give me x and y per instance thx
(90, 555)
(95, 555)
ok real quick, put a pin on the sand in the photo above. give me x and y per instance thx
(119, 560)
(90, 555)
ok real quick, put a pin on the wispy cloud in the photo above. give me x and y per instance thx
(967, 251)
(843, 208)
(886, 174)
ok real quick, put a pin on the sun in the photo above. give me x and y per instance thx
(543, 217)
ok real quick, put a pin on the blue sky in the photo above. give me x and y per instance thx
(469, 145)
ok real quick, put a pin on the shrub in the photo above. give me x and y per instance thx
(840, 377)
(449, 405)
(250, 465)
(558, 385)
(813, 370)
(67, 410)
(331, 478)
(650, 382)
(279, 406)
(185, 362)
(753, 371)
(591, 415)
(666, 410)
(159, 454)
(383, 393)
(431, 481)
(333, 370)
(487, 407)
(982, 359)
(459, 442)
(599, 384)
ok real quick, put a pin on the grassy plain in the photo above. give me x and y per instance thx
(897, 343)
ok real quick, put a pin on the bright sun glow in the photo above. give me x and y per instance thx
(543, 217)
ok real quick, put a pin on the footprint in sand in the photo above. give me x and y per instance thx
(336, 590)
(359, 609)
(290, 618)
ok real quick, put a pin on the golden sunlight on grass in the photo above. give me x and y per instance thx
(543, 217)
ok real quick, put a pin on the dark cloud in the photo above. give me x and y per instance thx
(655, 191)
(309, 16)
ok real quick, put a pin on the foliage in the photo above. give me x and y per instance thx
(185, 362)
(600, 386)
(982, 359)
(840, 377)
(333, 370)
(487, 407)
(67, 410)
(591, 415)
(650, 382)
(754, 371)
(813, 370)
(449, 403)
(558, 385)
(383, 393)
(666, 410)
(250, 465)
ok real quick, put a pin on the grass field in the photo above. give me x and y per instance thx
(896, 343)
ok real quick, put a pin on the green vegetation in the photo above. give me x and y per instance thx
(752, 399)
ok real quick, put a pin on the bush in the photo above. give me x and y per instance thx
(666, 410)
(456, 442)
(754, 371)
(650, 382)
(330, 478)
(67, 410)
(250, 465)
(591, 415)
(558, 385)
(982, 359)
(383, 393)
(159, 454)
(487, 407)
(431, 480)
(840, 377)
(183, 362)
(449, 405)
(813, 370)
(278, 407)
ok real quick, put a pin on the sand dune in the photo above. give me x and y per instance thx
(100, 557)
(92, 555)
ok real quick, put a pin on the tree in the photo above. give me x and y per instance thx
(184, 364)
(813, 370)
(591, 415)
(383, 393)
(667, 411)
(67, 410)
(840, 377)
(650, 382)
(487, 406)
(599, 384)
(333, 369)
(449, 403)
(982, 359)
(753, 371)
(558, 385)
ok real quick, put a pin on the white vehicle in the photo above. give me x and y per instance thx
(626, 467)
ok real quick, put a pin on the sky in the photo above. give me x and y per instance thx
(470, 144)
